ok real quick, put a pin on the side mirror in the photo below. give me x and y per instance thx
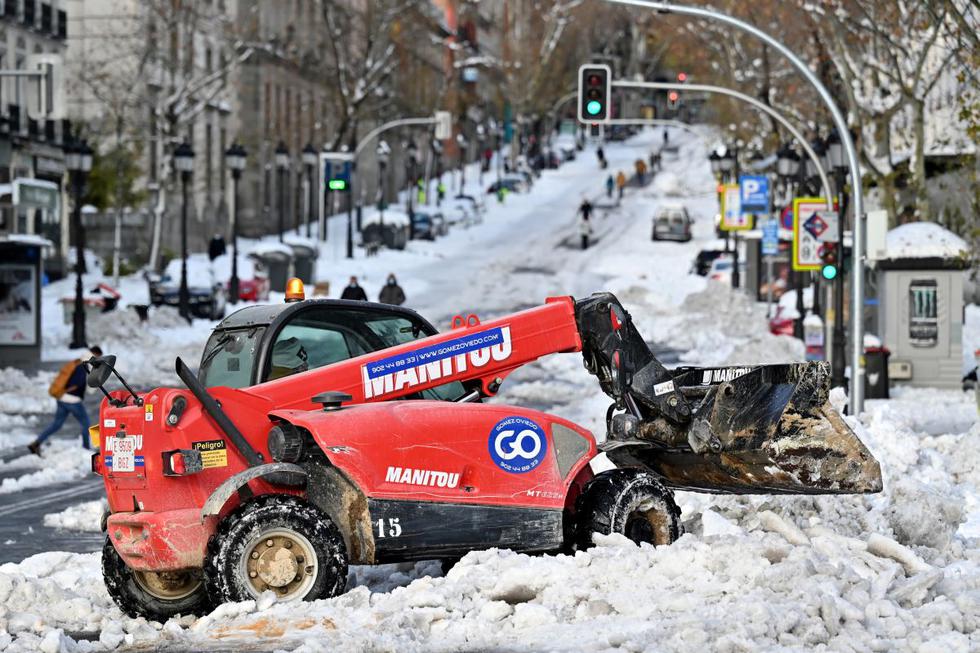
(101, 369)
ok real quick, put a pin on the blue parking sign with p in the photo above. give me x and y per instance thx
(755, 193)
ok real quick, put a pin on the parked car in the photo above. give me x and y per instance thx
(207, 297)
(440, 226)
(672, 222)
(422, 226)
(389, 228)
(721, 269)
(704, 259)
(512, 184)
(253, 277)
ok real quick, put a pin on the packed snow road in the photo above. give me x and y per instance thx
(899, 571)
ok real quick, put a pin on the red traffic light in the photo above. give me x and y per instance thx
(673, 96)
(682, 77)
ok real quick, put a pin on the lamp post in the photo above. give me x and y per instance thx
(726, 163)
(382, 152)
(310, 159)
(413, 155)
(481, 143)
(835, 157)
(462, 143)
(78, 160)
(282, 165)
(184, 163)
(235, 160)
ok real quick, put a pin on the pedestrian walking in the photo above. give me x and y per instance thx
(585, 229)
(602, 157)
(620, 183)
(68, 390)
(666, 136)
(392, 293)
(585, 208)
(641, 171)
(610, 185)
(354, 291)
(440, 192)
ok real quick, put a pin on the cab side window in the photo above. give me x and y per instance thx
(302, 346)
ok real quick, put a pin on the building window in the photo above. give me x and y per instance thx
(923, 313)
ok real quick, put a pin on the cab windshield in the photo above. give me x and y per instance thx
(229, 358)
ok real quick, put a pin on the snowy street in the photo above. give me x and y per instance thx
(896, 571)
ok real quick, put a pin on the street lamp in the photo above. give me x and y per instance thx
(282, 165)
(714, 160)
(835, 158)
(78, 161)
(787, 162)
(184, 163)
(413, 156)
(235, 160)
(382, 151)
(310, 158)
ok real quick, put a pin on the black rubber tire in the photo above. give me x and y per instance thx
(135, 601)
(630, 502)
(227, 546)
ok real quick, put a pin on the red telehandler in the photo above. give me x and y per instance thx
(285, 458)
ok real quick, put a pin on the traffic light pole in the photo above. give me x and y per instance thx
(858, 253)
(838, 348)
(758, 104)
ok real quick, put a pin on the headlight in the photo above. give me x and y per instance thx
(285, 443)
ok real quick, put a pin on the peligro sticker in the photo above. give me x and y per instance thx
(517, 444)
(663, 388)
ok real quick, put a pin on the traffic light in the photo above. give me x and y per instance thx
(673, 99)
(594, 101)
(830, 261)
(682, 77)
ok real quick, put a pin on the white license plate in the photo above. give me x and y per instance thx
(123, 455)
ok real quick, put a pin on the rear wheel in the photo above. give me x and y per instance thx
(277, 543)
(629, 502)
(155, 595)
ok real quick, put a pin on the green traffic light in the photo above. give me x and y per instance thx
(593, 107)
(337, 184)
(829, 272)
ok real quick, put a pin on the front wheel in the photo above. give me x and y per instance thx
(629, 502)
(155, 595)
(277, 543)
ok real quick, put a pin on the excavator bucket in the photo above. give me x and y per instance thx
(753, 430)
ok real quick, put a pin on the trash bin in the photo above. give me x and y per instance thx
(278, 260)
(876, 372)
(304, 260)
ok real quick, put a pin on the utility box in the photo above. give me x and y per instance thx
(920, 291)
(20, 300)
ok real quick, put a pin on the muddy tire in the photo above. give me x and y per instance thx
(278, 543)
(156, 596)
(629, 502)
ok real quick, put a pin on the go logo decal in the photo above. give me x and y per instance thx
(517, 445)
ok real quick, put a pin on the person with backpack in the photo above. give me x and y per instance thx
(610, 185)
(392, 293)
(68, 389)
(620, 183)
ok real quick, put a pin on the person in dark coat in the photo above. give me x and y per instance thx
(392, 293)
(216, 247)
(69, 402)
(354, 291)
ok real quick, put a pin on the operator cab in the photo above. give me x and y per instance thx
(268, 342)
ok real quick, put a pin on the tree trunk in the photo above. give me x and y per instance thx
(918, 168)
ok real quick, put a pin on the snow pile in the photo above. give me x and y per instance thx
(718, 327)
(86, 516)
(62, 461)
(924, 240)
